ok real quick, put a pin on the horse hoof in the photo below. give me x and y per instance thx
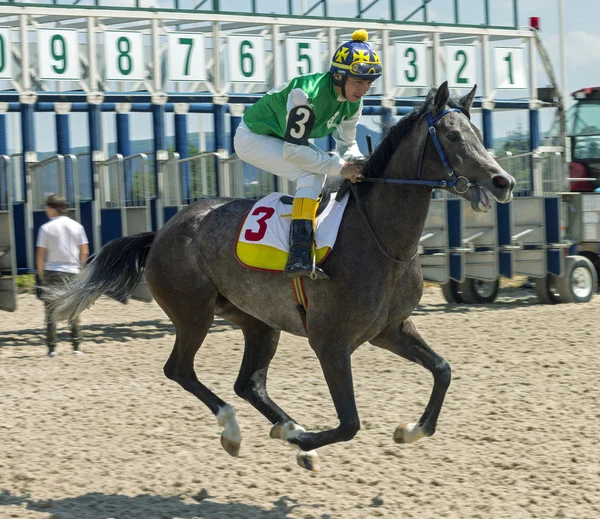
(309, 460)
(232, 448)
(408, 433)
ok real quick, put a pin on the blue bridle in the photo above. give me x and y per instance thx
(455, 181)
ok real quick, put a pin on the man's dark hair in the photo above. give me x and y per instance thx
(57, 203)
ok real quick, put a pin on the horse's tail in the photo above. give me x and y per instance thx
(114, 271)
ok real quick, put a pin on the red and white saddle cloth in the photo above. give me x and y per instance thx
(264, 239)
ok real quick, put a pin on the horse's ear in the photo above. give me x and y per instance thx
(467, 101)
(441, 97)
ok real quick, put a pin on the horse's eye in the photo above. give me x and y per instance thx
(453, 136)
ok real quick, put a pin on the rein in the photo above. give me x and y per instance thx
(454, 181)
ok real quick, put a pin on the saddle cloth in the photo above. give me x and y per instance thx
(264, 239)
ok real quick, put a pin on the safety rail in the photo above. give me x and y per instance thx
(536, 172)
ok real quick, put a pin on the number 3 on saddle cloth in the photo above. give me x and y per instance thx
(264, 239)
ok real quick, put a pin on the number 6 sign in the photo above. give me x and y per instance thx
(245, 56)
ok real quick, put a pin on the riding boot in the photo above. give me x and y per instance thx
(301, 240)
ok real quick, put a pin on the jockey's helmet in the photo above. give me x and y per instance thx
(356, 58)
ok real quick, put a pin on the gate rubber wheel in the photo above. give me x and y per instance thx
(451, 292)
(580, 281)
(544, 290)
(477, 291)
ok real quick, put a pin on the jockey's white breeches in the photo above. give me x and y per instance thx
(308, 166)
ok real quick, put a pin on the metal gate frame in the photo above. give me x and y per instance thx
(8, 259)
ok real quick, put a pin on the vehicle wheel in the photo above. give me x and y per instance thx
(545, 290)
(451, 292)
(476, 291)
(580, 281)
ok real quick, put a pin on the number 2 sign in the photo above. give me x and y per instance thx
(461, 65)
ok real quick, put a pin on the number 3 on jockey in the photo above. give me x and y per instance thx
(300, 123)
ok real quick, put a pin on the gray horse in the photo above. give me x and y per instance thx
(375, 277)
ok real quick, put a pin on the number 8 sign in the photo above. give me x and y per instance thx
(124, 56)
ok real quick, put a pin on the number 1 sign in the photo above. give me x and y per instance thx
(509, 63)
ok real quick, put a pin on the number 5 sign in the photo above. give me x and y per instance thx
(124, 56)
(460, 65)
(245, 56)
(411, 65)
(509, 63)
(302, 56)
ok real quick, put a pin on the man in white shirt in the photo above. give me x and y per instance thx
(62, 247)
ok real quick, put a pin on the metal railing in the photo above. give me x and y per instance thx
(125, 181)
(536, 172)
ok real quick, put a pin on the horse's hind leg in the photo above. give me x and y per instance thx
(404, 340)
(180, 368)
(261, 343)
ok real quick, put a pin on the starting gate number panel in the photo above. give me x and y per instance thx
(58, 54)
(411, 65)
(246, 59)
(302, 56)
(509, 63)
(124, 56)
(5, 61)
(461, 69)
(186, 57)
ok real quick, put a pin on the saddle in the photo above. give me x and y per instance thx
(263, 239)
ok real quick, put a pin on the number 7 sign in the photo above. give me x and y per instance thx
(186, 57)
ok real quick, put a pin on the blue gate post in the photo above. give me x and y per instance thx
(29, 158)
(63, 147)
(534, 144)
(160, 157)
(3, 135)
(236, 112)
(488, 135)
(219, 122)
(124, 145)
(92, 218)
(183, 149)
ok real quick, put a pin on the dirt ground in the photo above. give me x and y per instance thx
(106, 435)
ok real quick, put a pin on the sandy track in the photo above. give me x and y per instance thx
(106, 435)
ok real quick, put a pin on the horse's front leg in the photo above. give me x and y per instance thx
(404, 340)
(335, 362)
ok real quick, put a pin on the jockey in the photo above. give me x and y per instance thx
(274, 133)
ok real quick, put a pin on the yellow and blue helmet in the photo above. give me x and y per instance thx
(356, 58)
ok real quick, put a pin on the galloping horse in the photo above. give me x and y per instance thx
(375, 276)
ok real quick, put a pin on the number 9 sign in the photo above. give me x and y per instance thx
(58, 52)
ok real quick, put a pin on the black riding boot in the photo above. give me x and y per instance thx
(299, 261)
